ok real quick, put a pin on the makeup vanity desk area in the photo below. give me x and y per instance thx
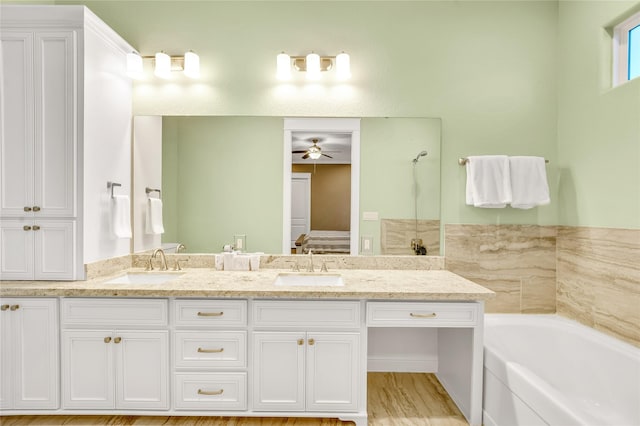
(217, 343)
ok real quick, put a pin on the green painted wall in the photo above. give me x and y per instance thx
(598, 126)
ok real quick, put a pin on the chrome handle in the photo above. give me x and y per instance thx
(117, 340)
(312, 342)
(210, 351)
(36, 227)
(431, 315)
(178, 267)
(210, 314)
(36, 208)
(107, 339)
(300, 342)
(26, 228)
(27, 209)
(216, 392)
(15, 307)
(4, 307)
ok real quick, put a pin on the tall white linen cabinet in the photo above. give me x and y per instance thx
(65, 117)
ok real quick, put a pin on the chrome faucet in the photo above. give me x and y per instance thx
(310, 267)
(180, 247)
(162, 257)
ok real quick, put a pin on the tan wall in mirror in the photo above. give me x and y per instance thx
(330, 195)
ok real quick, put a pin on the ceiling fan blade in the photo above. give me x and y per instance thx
(304, 157)
(299, 152)
(327, 155)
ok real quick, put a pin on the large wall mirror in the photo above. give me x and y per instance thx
(223, 176)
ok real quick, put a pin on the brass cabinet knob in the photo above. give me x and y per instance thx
(117, 340)
(36, 208)
(312, 342)
(26, 228)
(4, 307)
(27, 209)
(300, 342)
(15, 307)
(107, 339)
(36, 227)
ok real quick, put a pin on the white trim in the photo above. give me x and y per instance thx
(307, 177)
(621, 50)
(342, 125)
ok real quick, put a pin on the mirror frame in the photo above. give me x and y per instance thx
(327, 125)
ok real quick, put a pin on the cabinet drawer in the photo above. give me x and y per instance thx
(211, 391)
(401, 314)
(296, 314)
(210, 349)
(210, 313)
(115, 312)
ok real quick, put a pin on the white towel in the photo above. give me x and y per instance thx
(488, 181)
(121, 216)
(153, 223)
(528, 182)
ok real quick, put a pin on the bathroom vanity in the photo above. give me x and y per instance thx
(206, 342)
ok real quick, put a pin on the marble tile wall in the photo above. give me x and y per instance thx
(396, 236)
(598, 279)
(518, 262)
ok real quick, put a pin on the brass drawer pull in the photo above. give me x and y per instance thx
(431, 315)
(36, 228)
(36, 208)
(107, 339)
(216, 392)
(117, 340)
(4, 307)
(26, 228)
(210, 314)
(210, 351)
(15, 307)
(27, 209)
(312, 342)
(300, 342)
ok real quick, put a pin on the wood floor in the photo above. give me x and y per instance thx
(394, 399)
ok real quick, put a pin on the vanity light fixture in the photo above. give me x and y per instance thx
(313, 64)
(164, 64)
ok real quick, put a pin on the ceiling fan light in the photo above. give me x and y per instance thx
(315, 155)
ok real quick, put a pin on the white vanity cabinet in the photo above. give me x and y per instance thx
(115, 354)
(29, 364)
(209, 354)
(308, 356)
(65, 99)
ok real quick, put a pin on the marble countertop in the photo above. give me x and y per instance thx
(205, 282)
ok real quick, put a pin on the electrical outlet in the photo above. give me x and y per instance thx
(366, 245)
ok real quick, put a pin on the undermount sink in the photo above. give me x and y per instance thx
(309, 280)
(145, 278)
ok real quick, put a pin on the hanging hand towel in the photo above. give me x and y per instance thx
(528, 182)
(121, 216)
(153, 223)
(488, 182)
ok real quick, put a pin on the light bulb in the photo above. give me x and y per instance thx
(343, 66)
(163, 65)
(283, 67)
(134, 65)
(313, 66)
(191, 65)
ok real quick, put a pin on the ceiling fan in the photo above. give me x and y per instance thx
(314, 152)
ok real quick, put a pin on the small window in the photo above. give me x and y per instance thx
(626, 50)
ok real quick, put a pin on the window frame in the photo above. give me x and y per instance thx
(621, 48)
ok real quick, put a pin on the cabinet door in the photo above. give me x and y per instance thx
(36, 364)
(16, 116)
(142, 370)
(87, 369)
(332, 371)
(55, 138)
(16, 249)
(54, 257)
(6, 372)
(278, 368)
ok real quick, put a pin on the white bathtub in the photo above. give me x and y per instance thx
(549, 370)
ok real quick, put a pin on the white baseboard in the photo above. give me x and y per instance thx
(402, 365)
